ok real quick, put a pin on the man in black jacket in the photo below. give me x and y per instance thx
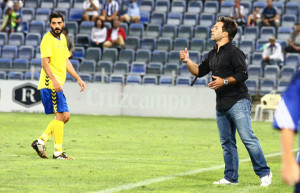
(229, 73)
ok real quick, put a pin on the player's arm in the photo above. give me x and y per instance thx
(47, 69)
(73, 73)
(290, 168)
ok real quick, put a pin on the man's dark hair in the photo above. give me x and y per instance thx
(298, 23)
(56, 15)
(229, 25)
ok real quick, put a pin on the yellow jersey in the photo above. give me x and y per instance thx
(57, 50)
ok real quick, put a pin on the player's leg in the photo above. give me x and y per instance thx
(230, 154)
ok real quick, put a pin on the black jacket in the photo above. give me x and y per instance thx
(229, 61)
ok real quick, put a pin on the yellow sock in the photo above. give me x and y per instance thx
(47, 133)
(58, 135)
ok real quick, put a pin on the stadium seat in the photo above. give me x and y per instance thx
(72, 27)
(266, 32)
(26, 52)
(183, 81)
(133, 79)
(79, 53)
(125, 27)
(164, 44)
(106, 65)
(251, 33)
(36, 63)
(143, 55)
(171, 68)
(282, 85)
(284, 33)
(149, 80)
(117, 78)
(279, 6)
(247, 46)
(110, 54)
(98, 78)
(136, 29)
(138, 68)
(83, 40)
(184, 71)
(64, 4)
(257, 58)
(2, 75)
(76, 14)
(28, 14)
(210, 44)
(144, 17)
(16, 39)
(271, 72)
(178, 6)
(254, 71)
(121, 67)
(252, 85)
(32, 4)
(86, 27)
(75, 63)
(292, 8)
(78, 4)
(260, 45)
(181, 44)
(132, 43)
(195, 7)
(226, 7)
(126, 55)
(15, 75)
(201, 82)
(158, 18)
(36, 75)
(190, 19)
(3, 38)
(9, 52)
(42, 14)
(108, 25)
(148, 43)
(85, 76)
(185, 32)
(166, 80)
(174, 18)
(154, 68)
(169, 31)
(260, 4)
(93, 53)
(174, 57)
(239, 34)
(153, 30)
(48, 4)
(201, 32)
(288, 20)
(159, 56)
(69, 77)
(147, 5)
(33, 39)
(197, 44)
(195, 56)
(37, 27)
(5, 64)
(291, 59)
(162, 6)
(20, 64)
(87, 66)
(207, 19)
(211, 7)
(287, 72)
(267, 86)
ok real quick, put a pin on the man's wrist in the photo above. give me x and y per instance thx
(225, 82)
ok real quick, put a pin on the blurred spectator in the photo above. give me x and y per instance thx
(70, 41)
(237, 13)
(12, 19)
(115, 36)
(6, 3)
(270, 16)
(254, 18)
(98, 34)
(272, 53)
(110, 11)
(294, 41)
(17, 17)
(91, 9)
(133, 13)
(7, 22)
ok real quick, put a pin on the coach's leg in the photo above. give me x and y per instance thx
(228, 142)
(241, 116)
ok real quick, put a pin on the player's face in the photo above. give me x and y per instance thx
(56, 26)
(216, 32)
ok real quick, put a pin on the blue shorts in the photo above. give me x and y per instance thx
(54, 101)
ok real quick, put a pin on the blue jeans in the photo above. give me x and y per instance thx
(238, 117)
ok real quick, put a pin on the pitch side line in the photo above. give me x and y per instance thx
(165, 178)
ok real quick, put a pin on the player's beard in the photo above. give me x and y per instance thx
(56, 29)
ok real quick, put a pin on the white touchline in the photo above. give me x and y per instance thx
(165, 178)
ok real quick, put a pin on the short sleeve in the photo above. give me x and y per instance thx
(46, 47)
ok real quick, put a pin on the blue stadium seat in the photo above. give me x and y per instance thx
(78, 4)
(260, 45)
(288, 20)
(292, 8)
(158, 18)
(256, 58)
(291, 59)
(136, 29)
(133, 79)
(183, 81)
(26, 52)
(247, 7)
(195, 7)
(266, 32)
(37, 27)
(33, 39)
(86, 27)
(36, 63)
(48, 4)
(9, 52)
(165, 80)
(184, 71)
(159, 56)
(32, 4)
(138, 68)
(226, 7)
(174, 18)
(143, 56)
(148, 43)
(75, 63)
(28, 14)
(2, 75)
(261, 5)
(287, 72)
(16, 39)
(266, 86)
(98, 78)
(197, 44)
(69, 77)
(87, 66)
(147, 5)
(72, 27)
(85, 76)
(252, 85)
(201, 82)
(83, 40)
(284, 33)
(93, 53)
(171, 68)
(282, 85)
(110, 54)
(5, 63)
(178, 6)
(211, 7)
(124, 26)
(154, 68)
(149, 80)
(63, 11)
(121, 67)
(15, 75)
(280, 7)
(239, 33)
(247, 45)
(271, 72)
(132, 43)
(181, 43)
(79, 53)
(162, 6)
(20, 64)
(75, 14)
(185, 32)
(126, 55)
(190, 19)
(210, 44)
(153, 30)
(117, 78)
(174, 57)
(36, 75)
(201, 32)
(106, 65)
(169, 31)
(164, 44)
(64, 4)
(195, 56)
(251, 33)
(254, 71)
(42, 14)
(3, 38)
(207, 19)
(144, 17)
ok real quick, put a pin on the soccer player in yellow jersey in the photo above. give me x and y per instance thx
(55, 64)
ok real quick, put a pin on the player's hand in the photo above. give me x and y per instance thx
(57, 86)
(184, 55)
(217, 83)
(290, 172)
(82, 85)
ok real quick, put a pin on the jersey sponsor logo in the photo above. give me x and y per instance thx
(27, 95)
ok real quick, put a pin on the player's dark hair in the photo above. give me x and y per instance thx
(229, 25)
(56, 15)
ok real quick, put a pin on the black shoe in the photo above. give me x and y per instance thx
(63, 156)
(39, 148)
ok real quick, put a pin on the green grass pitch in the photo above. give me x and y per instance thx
(112, 151)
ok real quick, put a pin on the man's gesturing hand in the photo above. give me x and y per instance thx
(217, 83)
(184, 55)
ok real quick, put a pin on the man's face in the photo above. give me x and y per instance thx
(116, 24)
(298, 28)
(16, 6)
(56, 26)
(216, 32)
(272, 42)
(270, 3)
